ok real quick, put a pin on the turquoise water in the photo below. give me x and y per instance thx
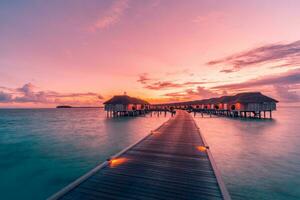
(257, 159)
(42, 150)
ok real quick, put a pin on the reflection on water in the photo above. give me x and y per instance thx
(259, 159)
(45, 149)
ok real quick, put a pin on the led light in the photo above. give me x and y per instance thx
(117, 161)
(202, 148)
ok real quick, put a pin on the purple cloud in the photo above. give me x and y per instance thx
(285, 93)
(28, 94)
(286, 85)
(162, 85)
(288, 52)
(5, 97)
(189, 94)
(144, 78)
(290, 77)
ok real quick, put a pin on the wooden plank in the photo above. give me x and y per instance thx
(166, 164)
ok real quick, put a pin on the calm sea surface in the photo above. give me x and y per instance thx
(258, 159)
(42, 150)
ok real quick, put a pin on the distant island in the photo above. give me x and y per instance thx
(64, 106)
(67, 106)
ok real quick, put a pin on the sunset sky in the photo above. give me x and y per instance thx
(82, 52)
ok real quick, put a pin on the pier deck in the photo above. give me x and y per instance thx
(167, 164)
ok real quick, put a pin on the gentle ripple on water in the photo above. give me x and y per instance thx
(259, 159)
(42, 150)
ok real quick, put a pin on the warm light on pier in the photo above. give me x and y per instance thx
(202, 148)
(117, 161)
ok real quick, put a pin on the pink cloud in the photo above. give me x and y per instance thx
(144, 78)
(162, 85)
(285, 86)
(149, 83)
(287, 52)
(112, 15)
(288, 78)
(5, 97)
(192, 94)
(28, 94)
(285, 93)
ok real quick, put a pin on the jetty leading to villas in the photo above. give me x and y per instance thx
(244, 105)
(172, 162)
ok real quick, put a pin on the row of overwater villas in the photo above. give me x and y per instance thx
(250, 101)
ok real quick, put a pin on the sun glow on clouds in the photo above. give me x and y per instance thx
(158, 50)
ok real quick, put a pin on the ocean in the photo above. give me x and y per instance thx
(258, 159)
(43, 150)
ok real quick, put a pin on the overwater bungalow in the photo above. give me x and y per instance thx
(224, 101)
(248, 104)
(212, 103)
(243, 105)
(252, 102)
(240, 105)
(125, 105)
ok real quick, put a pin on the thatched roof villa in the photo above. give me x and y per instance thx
(251, 101)
(242, 102)
(254, 102)
(125, 105)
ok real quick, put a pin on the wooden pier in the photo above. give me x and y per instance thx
(172, 162)
(233, 113)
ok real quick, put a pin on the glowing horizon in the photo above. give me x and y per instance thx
(82, 53)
